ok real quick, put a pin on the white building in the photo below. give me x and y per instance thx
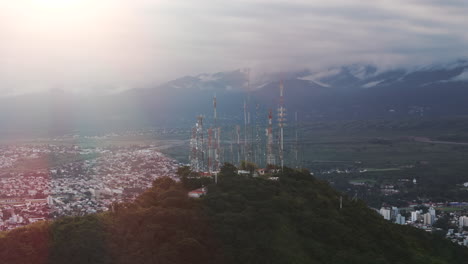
(386, 213)
(243, 172)
(463, 221)
(197, 193)
(395, 212)
(427, 219)
(50, 200)
(400, 219)
(432, 212)
(415, 216)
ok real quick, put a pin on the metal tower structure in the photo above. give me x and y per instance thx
(296, 142)
(270, 157)
(247, 123)
(210, 149)
(281, 124)
(217, 138)
(197, 153)
(233, 135)
(246, 144)
(200, 144)
(238, 129)
(194, 163)
(218, 151)
(256, 134)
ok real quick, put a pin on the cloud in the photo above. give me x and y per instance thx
(89, 45)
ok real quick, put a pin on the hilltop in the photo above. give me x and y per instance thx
(295, 219)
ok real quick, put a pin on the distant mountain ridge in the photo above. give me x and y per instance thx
(356, 91)
(346, 76)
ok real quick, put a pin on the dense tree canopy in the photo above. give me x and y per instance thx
(295, 219)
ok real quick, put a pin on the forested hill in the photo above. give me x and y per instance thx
(296, 219)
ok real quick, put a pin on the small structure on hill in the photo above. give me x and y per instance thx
(197, 193)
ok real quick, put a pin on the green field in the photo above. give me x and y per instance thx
(369, 181)
(452, 209)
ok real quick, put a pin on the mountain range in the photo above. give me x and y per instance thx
(357, 91)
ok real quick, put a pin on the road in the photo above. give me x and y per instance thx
(428, 140)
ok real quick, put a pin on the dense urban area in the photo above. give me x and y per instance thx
(73, 181)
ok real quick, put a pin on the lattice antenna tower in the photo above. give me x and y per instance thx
(269, 133)
(281, 124)
(200, 143)
(194, 162)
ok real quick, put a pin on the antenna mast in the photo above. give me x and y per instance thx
(281, 124)
(216, 139)
(269, 132)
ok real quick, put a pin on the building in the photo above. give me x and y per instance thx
(386, 213)
(395, 212)
(243, 172)
(427, 219)
(432, 212)
(463, 221)
(50, 200)
(400, 219)
(197, 193)
(415, 216)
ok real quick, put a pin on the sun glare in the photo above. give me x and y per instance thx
(50, 15)
(48, 8)
(57, 3)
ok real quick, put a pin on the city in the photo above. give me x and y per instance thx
(96, 179)
(427, 217)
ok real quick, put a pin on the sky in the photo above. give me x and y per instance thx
(100, 46)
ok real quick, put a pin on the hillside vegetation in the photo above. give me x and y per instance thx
(296, 219)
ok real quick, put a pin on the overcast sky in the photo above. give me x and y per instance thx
(111, 45)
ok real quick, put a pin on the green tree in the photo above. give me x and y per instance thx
(248, 166)
(228, 170)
